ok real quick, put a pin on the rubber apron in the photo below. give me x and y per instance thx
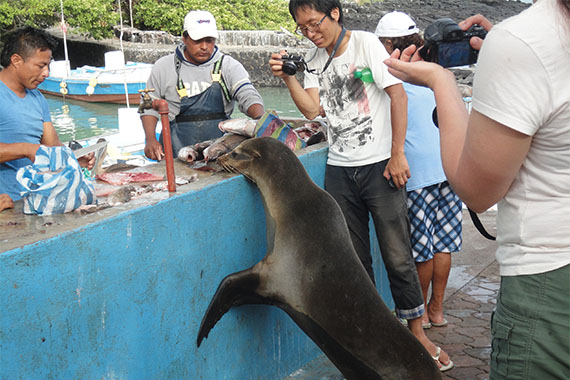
(199, 114)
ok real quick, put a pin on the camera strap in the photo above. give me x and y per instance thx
(474, 217)
(333, 52)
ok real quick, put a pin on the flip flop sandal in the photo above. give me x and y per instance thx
(440, 324)
(427, 325)
(444, 367)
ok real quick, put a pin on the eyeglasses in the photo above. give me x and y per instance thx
(303, 30)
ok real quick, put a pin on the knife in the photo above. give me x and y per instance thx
(88, 149)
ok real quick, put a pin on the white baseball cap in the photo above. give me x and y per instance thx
(395, 24)
(200, 24)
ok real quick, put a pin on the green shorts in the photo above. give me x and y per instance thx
(531, 327)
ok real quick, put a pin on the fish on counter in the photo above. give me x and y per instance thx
(237, 131)
(193, 153)
(244, 127)
(118, 195)
(211, 149)
(122, 178)
(223, 145)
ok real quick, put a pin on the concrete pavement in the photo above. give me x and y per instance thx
(469, 301)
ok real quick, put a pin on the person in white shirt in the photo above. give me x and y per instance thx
(366, 168)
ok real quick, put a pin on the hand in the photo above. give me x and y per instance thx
(409, 67)
(87, 161)
(276, 64)
(6, 202)
(153, 150)
(398, 170)
(478, 19)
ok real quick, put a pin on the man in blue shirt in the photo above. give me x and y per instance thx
(25, 122)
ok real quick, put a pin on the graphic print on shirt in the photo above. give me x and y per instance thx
(196, 87)
(345, 98)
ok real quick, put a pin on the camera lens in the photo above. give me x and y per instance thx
(289, 67)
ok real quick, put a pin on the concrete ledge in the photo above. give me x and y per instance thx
(120, 294)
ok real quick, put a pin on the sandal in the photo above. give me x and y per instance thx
(443, 367)
(440, 324)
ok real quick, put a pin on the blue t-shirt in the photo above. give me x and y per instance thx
(422, 139)
(21, 120)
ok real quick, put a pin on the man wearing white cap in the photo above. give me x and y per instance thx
(434, 210)
(201, 86)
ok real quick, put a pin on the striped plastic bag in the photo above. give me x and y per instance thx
(270, 125)
(54, 184)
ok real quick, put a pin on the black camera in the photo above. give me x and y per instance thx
(448, 45)
(292, 64)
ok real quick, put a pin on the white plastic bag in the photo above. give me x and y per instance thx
(54, 184)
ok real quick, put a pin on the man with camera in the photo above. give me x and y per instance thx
(366, 168)
(513, 149)
(201, 86)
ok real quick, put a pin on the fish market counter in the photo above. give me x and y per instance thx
(120, 293)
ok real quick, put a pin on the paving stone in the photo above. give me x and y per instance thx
(481, 353)
(471, 331)
(474, 322)
(460, 313)
(482, 341)
(467, 361)
(466, 373)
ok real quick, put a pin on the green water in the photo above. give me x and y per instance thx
(77, 120)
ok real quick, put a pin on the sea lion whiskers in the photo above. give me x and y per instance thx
(240, 159)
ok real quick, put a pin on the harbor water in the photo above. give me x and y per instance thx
(79, 120)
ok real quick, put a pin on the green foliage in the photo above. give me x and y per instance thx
(93, 17)
(96, 18)
(168, 15)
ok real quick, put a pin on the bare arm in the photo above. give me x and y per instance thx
(255, 111)
(397, 167)
(492, 156)
(6, 202)
(50, 137)
(307, 101)
(10, 152)
(152, 148)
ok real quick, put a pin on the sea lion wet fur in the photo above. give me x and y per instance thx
(316, 277)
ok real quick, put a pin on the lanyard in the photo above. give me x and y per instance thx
(331, 56)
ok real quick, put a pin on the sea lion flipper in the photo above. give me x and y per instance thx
(236, 289)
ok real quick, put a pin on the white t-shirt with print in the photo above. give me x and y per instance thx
(360, 131)
(523, 81)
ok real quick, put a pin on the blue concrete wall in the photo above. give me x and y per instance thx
(123, 298)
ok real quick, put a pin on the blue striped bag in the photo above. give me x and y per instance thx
(54, 184)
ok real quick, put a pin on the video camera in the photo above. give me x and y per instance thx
(448, 45)
(292, 64)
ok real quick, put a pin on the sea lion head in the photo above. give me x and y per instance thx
(261, 158)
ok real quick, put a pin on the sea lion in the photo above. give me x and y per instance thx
(316, 277)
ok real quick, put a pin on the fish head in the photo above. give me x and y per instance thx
(187, 154)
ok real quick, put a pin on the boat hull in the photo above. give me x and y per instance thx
(93, 84)
(134, 98)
